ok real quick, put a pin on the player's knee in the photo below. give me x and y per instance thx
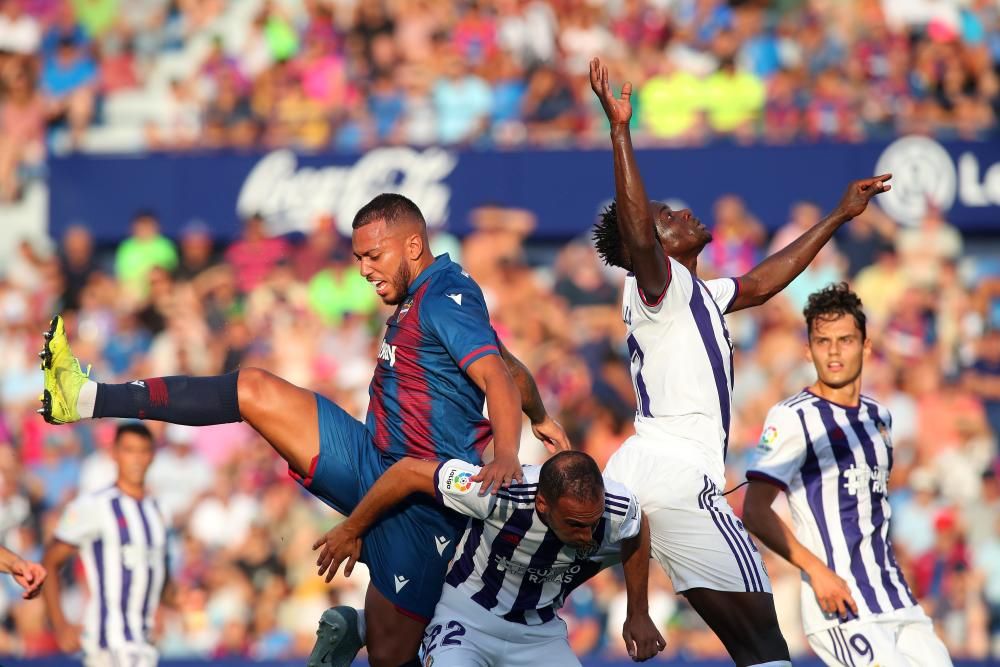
(390, 654)
(254, 387)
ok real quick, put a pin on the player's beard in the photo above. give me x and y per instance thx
(400, 284)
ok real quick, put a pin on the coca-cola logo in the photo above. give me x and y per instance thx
(291, 197)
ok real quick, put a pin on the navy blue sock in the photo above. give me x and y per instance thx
(180, 399)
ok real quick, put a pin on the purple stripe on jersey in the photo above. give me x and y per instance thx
(877, 498)
(895, 565)
(635, 352)
(102, 627)
(625, 499)
(703, 320)
(149, 576)
(705, 502)
(729, 341)
(850, 516)
(531, 591)
(463, 566)
(812, 480)
(846, 646)
(620, 504)
(506, 541)
(123, 535)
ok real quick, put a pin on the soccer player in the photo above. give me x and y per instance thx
(121, 537)
(524, 550)
(439, 361)
(682, 372)
(829, 449)
(29, 576)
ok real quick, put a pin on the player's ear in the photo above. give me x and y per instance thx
(809, 353)
(541, 504)
(415, 244)
(867, 348)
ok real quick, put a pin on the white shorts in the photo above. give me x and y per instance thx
(129, 655)
(695, 535)
(463, 634)
(891, 642)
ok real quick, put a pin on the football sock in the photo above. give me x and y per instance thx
(362, 627)
(85, 400)
(179, 399)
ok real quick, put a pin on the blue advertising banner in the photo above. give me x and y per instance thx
(565, 189)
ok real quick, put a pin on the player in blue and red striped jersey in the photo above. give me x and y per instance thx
(439, 362)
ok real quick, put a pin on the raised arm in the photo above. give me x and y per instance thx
(545, 428)
(642, 639)
(405, 477)
(774, 273)
(832, 592)
(635, 219)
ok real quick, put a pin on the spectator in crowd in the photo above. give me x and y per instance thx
(143, 251)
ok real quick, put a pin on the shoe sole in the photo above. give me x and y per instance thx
(46, 353)
(331, 641)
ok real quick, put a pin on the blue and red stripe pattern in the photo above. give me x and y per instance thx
(422, 401)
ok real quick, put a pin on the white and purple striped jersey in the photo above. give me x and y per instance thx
(682, 364)
(122, 543)
(833, 462)
(509, 562)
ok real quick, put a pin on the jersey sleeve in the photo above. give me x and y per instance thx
(781, 449)
(675, 297)
(622, 508)
(458, 318)
(724, 292)
(454, 488)
(80, 522)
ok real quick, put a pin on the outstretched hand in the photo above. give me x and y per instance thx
(29, 576)
(552, 435)
(859, 193)
(340, 543)
(499, 473)
(619, 110)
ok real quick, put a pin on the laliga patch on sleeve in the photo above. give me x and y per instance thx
(767, 438)
(458, 481)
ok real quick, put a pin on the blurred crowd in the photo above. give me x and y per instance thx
(242, 529)
(130, 75)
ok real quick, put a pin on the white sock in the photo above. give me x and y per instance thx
(361, 625)
(85, 401)
(773, 663)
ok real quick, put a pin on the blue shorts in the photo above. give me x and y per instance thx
(408, 550)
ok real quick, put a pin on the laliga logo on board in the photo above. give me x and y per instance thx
(291, 197)
(923, 173)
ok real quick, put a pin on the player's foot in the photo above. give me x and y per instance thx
(63, 376)
(337, 639)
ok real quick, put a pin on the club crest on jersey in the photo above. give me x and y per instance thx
(458, 481)
(405, 308)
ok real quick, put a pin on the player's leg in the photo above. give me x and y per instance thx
(393, 635)
(859, 643)
(285, 415)
(535, 645)
(705, 550)
(407, 554)
(921, 645)
(746, 623)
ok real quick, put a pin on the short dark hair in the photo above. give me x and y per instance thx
(833, 301)
(391, 207)
(608, 238)
(572, 474)
(135, 428)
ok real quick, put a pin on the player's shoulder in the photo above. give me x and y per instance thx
(530, 474)
(452, 285)
(619, 502)
(872, 402)
(794, 403)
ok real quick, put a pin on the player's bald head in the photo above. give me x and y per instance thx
(395, 210)
(571, 474)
